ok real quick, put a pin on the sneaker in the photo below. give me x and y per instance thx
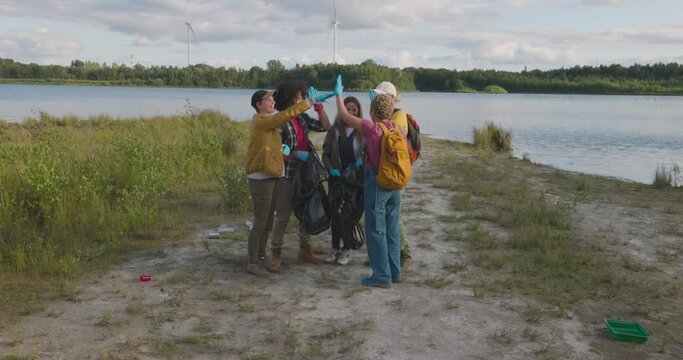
(256, 269)
(373, 283)
(343, 257)
(332, 256)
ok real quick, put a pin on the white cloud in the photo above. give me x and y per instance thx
(513, 52)
(229, 20)
(671, 35)
(149, 42)
(36, 45)
(401, 59)
(432, 33)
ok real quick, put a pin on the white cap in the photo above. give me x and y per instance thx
(386, 87)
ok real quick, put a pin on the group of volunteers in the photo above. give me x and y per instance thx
(366, 163)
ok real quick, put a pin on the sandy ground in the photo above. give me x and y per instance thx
(201, 304)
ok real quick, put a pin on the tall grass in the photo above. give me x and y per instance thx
(493, 137)
(667, 177)
(75, 190)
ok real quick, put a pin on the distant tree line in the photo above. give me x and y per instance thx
(613, 79)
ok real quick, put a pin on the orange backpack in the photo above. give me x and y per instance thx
(394, 161)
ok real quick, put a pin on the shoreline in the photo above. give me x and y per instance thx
(478, 287)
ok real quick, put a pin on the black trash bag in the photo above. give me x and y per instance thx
(346, 203)
(309, 201)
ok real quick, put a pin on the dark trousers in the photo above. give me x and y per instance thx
(335, 228)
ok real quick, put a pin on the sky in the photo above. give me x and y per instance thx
(462, 35)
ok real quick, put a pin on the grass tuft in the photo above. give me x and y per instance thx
(493, 137)
(668, 177)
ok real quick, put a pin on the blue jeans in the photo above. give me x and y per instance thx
(383, 240)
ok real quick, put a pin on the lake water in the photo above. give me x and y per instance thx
(618, 136)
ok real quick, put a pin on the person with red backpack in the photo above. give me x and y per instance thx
(387, 171)
(411, 128)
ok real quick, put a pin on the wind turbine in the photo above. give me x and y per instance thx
(335, 25)
(190, 29)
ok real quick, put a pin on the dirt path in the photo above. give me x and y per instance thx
(201, 304)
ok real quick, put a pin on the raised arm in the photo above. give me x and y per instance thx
(276, 120)
(319, 107)
(348, 119)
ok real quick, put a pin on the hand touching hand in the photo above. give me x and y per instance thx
(313, 94)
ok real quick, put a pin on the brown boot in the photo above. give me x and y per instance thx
(268, 266)
(277, 258)
(306, 255)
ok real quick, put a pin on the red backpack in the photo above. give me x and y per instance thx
(413, 137)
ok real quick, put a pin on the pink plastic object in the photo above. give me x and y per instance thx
(145, 278)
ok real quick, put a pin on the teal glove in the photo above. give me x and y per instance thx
(338, 87)
(335, 173)
(372, 94)
(359, 162)
(302, 155)
(313, 94)
(323, 98)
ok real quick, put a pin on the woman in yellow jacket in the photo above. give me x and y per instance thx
(265, 165)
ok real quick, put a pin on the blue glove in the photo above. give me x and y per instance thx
(359, 162)
(338, 87)
(323, 98)
(372, 94)
(335, 173)
(313, 94)
(302, 155)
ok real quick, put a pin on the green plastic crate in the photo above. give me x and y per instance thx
(625, 330)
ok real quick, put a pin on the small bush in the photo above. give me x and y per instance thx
(234, 190)
(494, 89)
(493, 137)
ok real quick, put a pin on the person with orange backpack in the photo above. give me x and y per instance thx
(388, 170)
(411, 128)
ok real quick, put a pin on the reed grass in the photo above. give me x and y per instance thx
(77, 191)
(493, 137)
(667, 177)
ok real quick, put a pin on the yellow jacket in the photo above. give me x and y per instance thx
(399, 118)
(264, 154)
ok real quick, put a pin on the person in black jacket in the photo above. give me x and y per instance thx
(342, 149)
